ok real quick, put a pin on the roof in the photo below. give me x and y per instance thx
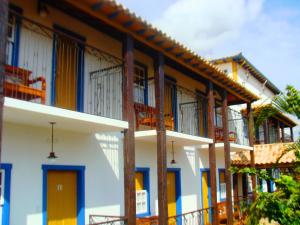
(241, 60)
(118, 16)
(265, 154)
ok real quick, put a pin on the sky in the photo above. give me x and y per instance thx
(267, 32)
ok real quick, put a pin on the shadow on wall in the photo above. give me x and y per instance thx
(105, 181)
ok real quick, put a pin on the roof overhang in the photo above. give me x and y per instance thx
(179, 139)
(120, 18)
(33, 114)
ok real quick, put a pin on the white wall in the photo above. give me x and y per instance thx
(27, 149)
(189, 160)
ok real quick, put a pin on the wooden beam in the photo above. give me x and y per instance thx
(266, 132)
(229, 208)
(236, 187)
(278, 131)
(128, 115)
(3, 38)
(292, 134)
(159, 78)
(212, 151)
(282, 134)
(251, 143)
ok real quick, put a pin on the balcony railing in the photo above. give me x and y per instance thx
(59, 68)
(184, 110)
(107, 220)
(197, 217)
(237, 127)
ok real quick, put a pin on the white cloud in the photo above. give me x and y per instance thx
(202, 25)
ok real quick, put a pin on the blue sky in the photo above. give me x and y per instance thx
(267, 32)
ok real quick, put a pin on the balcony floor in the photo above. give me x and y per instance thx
(179, 139)
(233, 147)
(33, 114)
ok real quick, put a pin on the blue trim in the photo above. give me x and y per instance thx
(145, 78)
(174, 100)
(80, 67)
(53, 72)
(146, 184)
(219, 186)
(209, 191)
(177, 172)
(7, 182)
(80, 189)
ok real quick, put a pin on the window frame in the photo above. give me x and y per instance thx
(146, 186)
(145, 68)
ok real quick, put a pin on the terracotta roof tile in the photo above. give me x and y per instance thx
(264, 154)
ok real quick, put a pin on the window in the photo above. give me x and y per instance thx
(222, 184)
(142, 192)
(1, 187)
(140, 83)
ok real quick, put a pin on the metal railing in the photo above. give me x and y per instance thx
(59, 68)
(107, 220)
(197, 217)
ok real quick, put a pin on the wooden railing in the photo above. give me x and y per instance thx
(107, 220)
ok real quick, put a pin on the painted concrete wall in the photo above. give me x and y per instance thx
(189, 160)
(27, 149)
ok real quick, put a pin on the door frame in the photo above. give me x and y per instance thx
(207, 170)
(80, 170)
(80, 66)
(7, 167)
(177, 172)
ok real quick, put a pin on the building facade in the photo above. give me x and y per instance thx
(106, 118)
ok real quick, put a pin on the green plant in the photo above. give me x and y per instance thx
(282, 206)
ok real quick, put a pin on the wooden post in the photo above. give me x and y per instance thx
(229, 208)
(212, 151)
(251, 143)
(282, 134)
(3, 38)
(161, 140)
(128, 115)
(266, 132)
(236, 187)
(292, 134)
(278, 131)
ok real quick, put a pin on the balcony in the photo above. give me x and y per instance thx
(184, 114)
(53, 75)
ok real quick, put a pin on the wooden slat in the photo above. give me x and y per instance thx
(128, 115)
(212, 151)
(229, 209)
(3, 35)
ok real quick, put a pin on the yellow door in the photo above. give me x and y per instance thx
(205, 195)
(66, 73)
(62, 198)
(139, 181)
(171, 189)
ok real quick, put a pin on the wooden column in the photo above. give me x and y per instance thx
(251, 143)
(212, 151)
(292, 134)
(128, 115)
(229, 208)
(236, 186)
(282, 134)
(161, 140)
(278, 131)
(3, 38)
(266, 132)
